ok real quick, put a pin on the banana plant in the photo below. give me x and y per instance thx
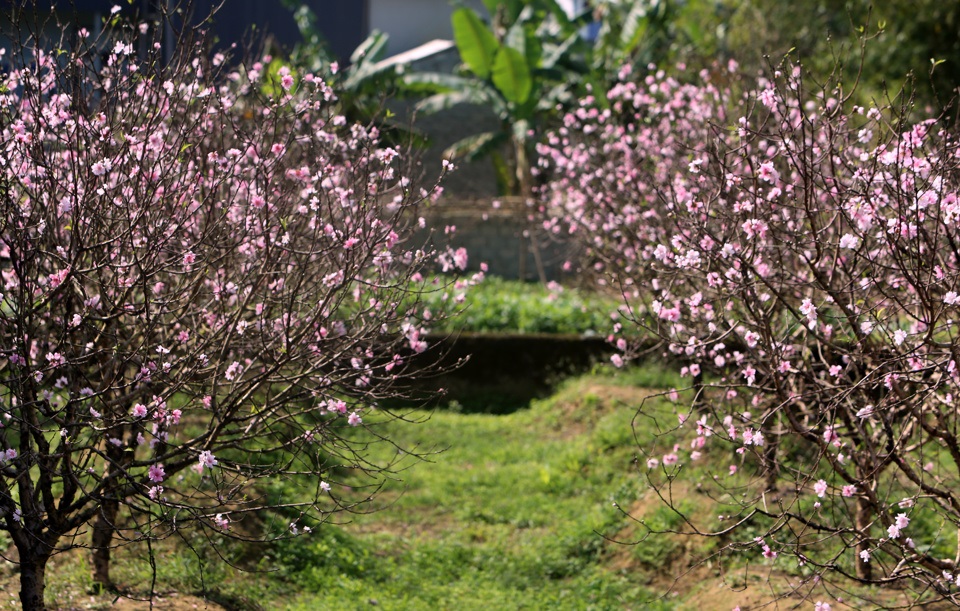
(532, 58)
(520, 66)
(361, 86)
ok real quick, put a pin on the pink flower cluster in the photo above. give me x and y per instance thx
(801, 255)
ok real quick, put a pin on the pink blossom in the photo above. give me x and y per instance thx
(156, 473)
(768, 173)
(902, 520)
(233, 371)
(768, 97)
(809, 310)
(101, 167)
(139, 410)
(755, 228)
(830, 436)
(820, 488)
(460, 258)
(849, 241)
(206, 460)
(354, 419)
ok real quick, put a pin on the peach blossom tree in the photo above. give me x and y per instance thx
(208, 280)
(798, 258)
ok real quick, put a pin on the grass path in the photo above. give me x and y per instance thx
(502, 512)
(508, 515)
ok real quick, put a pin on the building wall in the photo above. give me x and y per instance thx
(504, 234)
(411, 23)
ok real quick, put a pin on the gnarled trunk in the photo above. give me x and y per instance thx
(100, 542)
(34, 553)
(862, 524)
(105, 523)
(33, 582)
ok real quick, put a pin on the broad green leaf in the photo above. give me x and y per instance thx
(443, 101)
(509, 8)
(491, 5)
(558, 12)
(523, 37)
(370, 50)
(511, 75)
(520, 130)
(634, 27)
(504, 173)
(476, 146)
(555, 53)
(475, 41)
(435, 82)
(367, 72)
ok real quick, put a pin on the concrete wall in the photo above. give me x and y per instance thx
(502, 232)
(411, 23)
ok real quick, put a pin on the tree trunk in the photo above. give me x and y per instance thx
(771, 469)
(862, 524)
(33, 570)
(100, 543)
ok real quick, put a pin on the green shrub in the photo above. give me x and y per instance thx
(497, 305)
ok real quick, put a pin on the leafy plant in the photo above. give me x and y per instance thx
(519, 67)
(498, 305)
(362, 85)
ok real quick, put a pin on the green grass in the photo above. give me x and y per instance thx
(498, 305)
(509, 515)
(513, 511)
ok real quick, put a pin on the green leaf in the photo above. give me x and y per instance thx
(491, 5)
(435, 82)
(475, 41)
(370, 50)
(511, 75)
(566, 23)
(556, 53)
(443, 101)
(523, 37)
(367, 72)
(476, 146)
(634, 27)
(508, 9)
(503, 172)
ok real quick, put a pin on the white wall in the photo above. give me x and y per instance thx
(410, 23)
